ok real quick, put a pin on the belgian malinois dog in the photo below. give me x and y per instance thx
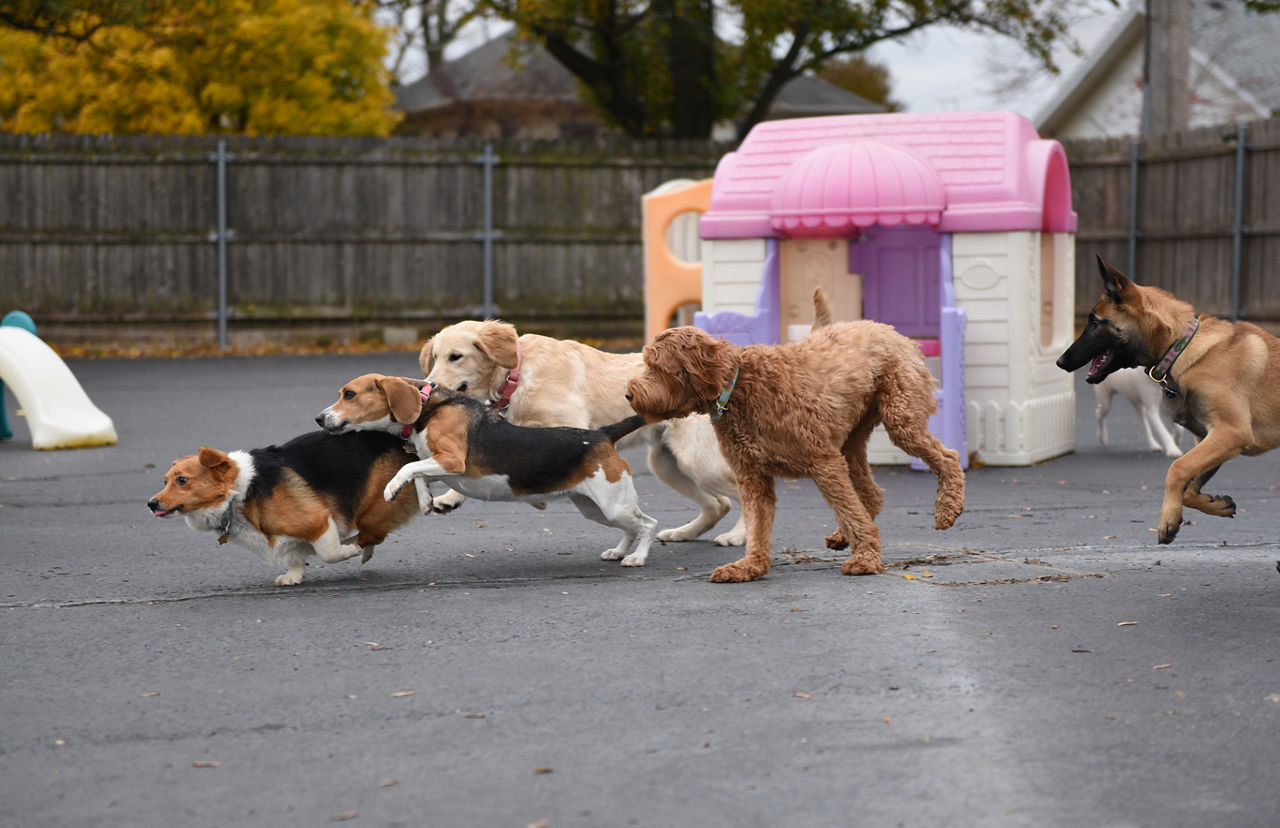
(1221, 382)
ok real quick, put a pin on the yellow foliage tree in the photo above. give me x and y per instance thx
(251, 67)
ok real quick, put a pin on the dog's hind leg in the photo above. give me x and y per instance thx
(665, 467)
(1216, 505)
(855, 457)
(1152, 423)
(615, 504)
(1104, 395)
(856, 524)
(913, 437)
(758, 504)
(331, 549)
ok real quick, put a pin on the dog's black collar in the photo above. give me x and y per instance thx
(224, 526)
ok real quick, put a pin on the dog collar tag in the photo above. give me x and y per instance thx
(223, 538)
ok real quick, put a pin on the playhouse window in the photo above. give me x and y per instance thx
(1050, 244)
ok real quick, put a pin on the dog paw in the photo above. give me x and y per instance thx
(290, 578)
(1168, 531)
(836, 540)
(738, 572)
(393, 488)
(612, 554)
(675, 536)
(1221, 506)
(443, 505)
(862, 566)
(634, 559)
(731, 539)
(367, 554)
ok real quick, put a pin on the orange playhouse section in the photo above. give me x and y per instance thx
(669, 282)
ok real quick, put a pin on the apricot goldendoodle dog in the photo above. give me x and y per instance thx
(804, 409)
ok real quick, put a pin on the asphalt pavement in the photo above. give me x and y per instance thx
(1043, 663)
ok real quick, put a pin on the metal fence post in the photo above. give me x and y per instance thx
(221, 236)
(1135, 156)
(1238, 228)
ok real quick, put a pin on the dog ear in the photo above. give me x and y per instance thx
(426, 359)
(403, 399)
(1113, 281)
(211, 458)
(498, 340)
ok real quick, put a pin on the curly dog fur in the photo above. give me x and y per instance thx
(805, 409)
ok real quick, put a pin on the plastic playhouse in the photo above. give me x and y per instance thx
(956, 228)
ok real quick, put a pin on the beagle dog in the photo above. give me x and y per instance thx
(471, 448)
(318, 493)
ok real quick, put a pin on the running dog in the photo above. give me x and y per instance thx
(804, 409)
(1220, 379)
(316, 493)
(539, 381)
(1146, 398)
(469, 447)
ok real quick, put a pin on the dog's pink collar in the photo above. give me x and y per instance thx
(423, 393)
(509, 387)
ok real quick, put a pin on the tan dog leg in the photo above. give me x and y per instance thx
(1219, 446)
(832, 478)
(758, 504)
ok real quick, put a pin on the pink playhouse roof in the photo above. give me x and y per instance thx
(954, 171)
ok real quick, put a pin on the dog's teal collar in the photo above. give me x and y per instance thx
(224, 525)
(722, 402)
(1159, 373)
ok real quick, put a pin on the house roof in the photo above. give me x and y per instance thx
(1228, 40)
(487, 73)
(957, 171)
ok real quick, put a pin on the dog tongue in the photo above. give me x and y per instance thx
(1099, 361)
(161, 513)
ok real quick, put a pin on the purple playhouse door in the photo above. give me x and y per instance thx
(906, 282)
(899, 268)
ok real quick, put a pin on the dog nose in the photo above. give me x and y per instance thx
(629, 396)
(320, 419)
(153, 504)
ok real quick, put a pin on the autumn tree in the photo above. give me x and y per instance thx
(426, 25)
(253, 67)
(677, 66)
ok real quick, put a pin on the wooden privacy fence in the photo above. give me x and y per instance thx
(1203, 220)
(117, 237)
(103, 233)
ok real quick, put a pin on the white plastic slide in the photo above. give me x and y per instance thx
(58, 411)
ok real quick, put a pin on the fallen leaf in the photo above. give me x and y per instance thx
(803, 695)
(542, 823)
(1127, 624)
(467, 715)
(343, 817)
(1161, 666)
(908, 576)
(204, 764)
(401, 693)
(387, 783)
(149, 694)
(542, 770)
(924, 573)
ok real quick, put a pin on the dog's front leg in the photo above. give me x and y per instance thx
(447, 502)
(411, 471)
(758, 504)
(1198, 464)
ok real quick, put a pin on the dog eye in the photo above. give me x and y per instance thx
(180, 480)
(348, 395)
(455, 357)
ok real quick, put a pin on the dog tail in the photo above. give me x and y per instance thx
(616, 431)
(821, 310)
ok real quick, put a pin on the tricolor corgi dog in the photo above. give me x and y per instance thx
(471, 448)
(319, 492)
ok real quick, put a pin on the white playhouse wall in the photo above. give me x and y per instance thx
(731, 274)
(1020, 407)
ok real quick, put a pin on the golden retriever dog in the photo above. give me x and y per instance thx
(540, 381)
(804, 409)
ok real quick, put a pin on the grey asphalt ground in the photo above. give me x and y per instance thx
(1044, 663)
